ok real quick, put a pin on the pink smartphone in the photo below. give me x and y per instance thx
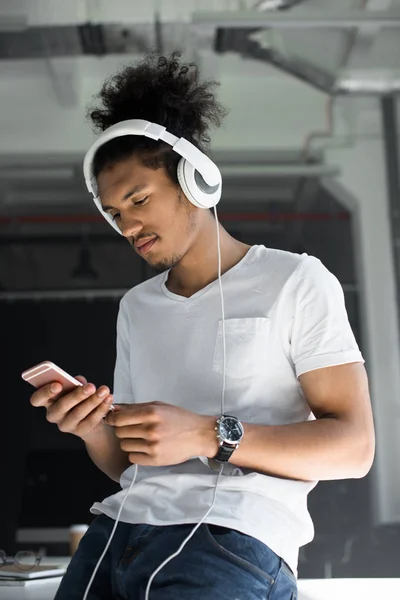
(46, 372)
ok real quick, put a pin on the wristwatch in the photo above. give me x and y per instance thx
(230, 434)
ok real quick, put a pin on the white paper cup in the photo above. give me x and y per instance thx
(76, 533)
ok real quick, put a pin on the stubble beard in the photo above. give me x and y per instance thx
(168, 263)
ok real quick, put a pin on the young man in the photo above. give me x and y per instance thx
(294, 379)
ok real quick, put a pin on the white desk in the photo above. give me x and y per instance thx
(309, 589)
(39, 589)
(348, 589)
(44, 589)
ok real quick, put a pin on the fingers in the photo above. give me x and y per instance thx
(86, 416)
(83, 400)
(135, 414)
(151, 434)
(45, 395)
(136, 458)
(79, 411)
(139, 440)
(136, 445)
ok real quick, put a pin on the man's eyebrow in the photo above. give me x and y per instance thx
(135, 190)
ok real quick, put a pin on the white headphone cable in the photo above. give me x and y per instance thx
(222, 412)
(222, 313)
(111, 535)
(185, 541)
(136, 466)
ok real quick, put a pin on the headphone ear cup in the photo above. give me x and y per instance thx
(182, 182)
(195, 188)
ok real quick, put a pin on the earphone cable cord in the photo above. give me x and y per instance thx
(111, 534)
(222, 412)
(136, 466)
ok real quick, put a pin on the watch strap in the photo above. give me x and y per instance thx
(224, 453)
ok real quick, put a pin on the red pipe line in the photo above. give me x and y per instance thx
(228, 217)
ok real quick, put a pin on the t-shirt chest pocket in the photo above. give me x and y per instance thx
(247, 342)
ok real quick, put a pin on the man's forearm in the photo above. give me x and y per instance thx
(104, 450)
(324, 449)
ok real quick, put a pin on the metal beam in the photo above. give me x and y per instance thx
(240, 170)
(249, 45)
(299, 170)
(304, 20)
(371, 82)
(37, 295)
(19, 173)
(230, 157)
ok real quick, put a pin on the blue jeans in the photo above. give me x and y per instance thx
(215, 564)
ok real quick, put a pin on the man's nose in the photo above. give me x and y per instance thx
(130, 227)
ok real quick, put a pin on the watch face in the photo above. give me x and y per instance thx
(230, 430)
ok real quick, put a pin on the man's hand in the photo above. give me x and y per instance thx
(158, 434)
(79, 412)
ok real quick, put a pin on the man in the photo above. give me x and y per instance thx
(292, 377)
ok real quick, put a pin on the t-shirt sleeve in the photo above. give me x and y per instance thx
(122, 378)
(321, 335)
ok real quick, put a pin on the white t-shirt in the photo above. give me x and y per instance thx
(284, 315)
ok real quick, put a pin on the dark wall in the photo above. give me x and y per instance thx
(44, 472)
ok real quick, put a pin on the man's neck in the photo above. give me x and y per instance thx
(198, 272)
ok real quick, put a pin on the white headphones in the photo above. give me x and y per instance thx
(199, 178)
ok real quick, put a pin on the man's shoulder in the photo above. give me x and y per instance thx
(286, 275)
(280, 265)
(284, 257)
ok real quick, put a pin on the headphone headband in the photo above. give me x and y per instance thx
(204, 165)
(192, 160)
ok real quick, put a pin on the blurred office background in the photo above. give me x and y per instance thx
(310, 163)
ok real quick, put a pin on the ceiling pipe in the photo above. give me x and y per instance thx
(296, 170)
(276, 4)
(256, 169)
(315, 20)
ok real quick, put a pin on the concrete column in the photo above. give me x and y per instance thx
(362, 188)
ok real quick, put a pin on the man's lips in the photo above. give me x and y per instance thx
(142, 248)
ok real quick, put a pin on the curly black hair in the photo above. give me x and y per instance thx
(163, 90)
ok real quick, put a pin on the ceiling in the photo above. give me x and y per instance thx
(339, 59)
(47, 39)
